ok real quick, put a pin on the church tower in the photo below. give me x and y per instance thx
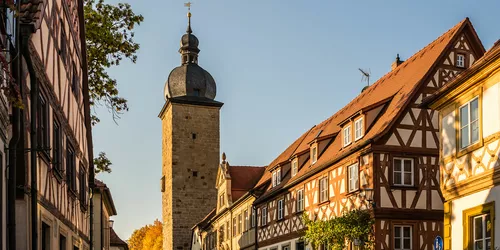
(190, 146)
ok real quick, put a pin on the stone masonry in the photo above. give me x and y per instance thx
(190, 152)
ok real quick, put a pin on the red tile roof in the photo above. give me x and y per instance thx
(115, 240)
(396, 88)
(243, 178)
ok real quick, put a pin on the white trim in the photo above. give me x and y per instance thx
(469, 123)
(402, 171)
(350, 179)
(347, 136)
(402, 237)
(460, 63)
(323, 183)
(359, 121)
(300, 200)
(281, 208)
(263, 216)
(295, 167)
(314, 154)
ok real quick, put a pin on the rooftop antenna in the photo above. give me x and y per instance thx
(365, 76)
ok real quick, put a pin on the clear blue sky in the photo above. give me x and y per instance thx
(281, 66)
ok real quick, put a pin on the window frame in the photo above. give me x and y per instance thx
(221, 200)
(280, 208)
(253, 217)
(263, 216)
(43, 123)
(240, 223)
(360, 121)
(349, 189)
(70, 167)
(300, 200)
(245, 220)
(468, 223)
(402, 172)
(402, 237)
(276, 177)
(83, 187)
(314, 154)
(234, 226)
(57, 142)
(295, 167)
(45, 236)
(323, 183)
(348, 135)
(460, 127)
(463, 60)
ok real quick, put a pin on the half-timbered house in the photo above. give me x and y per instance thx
(381, 143)
(54, 153)
(469, 108)
(231, 225)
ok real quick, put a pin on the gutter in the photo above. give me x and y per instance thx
(26, 31)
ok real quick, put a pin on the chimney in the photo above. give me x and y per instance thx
(396, 63)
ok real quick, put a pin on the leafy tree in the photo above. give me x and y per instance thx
(336, 232)
(109, 37)
(149, 237)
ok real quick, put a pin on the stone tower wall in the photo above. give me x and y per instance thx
(190, 161)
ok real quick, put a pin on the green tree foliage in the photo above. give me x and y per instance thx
(109, 37)
(336, 232)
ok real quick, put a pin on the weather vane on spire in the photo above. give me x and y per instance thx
(188, 5)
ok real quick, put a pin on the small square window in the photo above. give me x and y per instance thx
(403, 171)
(402, 238)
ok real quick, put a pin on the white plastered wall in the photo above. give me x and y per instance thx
(291, 243)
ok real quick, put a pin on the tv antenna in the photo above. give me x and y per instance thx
(365, 76)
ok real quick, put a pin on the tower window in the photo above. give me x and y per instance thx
(196, 92)
(193, 135)
(461, 60)
(195, 173)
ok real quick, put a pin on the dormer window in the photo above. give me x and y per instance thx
(277, 177)
(314, 154)
(221, 200)
(461, 60)
(358, 129)
(295, 167)
(347, 135)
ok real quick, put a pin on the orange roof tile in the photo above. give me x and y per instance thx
(397, 86)
(243, 178)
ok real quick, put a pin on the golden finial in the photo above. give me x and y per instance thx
(188, 5)
(223, 157)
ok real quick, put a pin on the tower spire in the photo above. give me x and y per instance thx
(188, 5)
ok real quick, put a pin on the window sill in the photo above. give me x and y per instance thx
(263, 226)
(321, 203)
(469, 149)
(299, 212)
(357, 190)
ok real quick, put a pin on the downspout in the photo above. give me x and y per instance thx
(88, 124)
(26, 31)
(13, 148)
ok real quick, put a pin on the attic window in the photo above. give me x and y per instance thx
(314, 154)
(221, 200)
(276, 177)
(358, 128)
(347, 135)
(461, 60)
(295, 167)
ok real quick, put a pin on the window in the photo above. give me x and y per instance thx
(264, 216)
(403, 172)
(221, 200)
(300, 200)
(70, 168)
(323, 189)
(353, 177)
(314, 154)
(469, 123)
(75, 82)
(83, 186)
(43, 123)
(239, 224)
(227, 230)
(62, 42)
(45, 236)
(245, 222)
(295, 167)
(281, 208)
(482, 231)
(358, 129)
(221, 230)
(402, 238)
(253, 217)
(277, 177)
(234, 226)
(347, 135)
(57, 145)
(62, 242)
(461, 60)
(287, 247)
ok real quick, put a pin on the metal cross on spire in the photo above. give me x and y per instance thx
(188, 5)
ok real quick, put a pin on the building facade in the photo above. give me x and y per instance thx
(231, 225)
(381, 143)
(190, 146)
(469, 108)
(104, 208)
(53, 156)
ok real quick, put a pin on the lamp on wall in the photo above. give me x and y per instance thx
(368, 194)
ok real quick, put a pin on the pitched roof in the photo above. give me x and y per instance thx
(395, 89)
(492, 54)
(243, 178)
(114, 240)
(110, 204)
